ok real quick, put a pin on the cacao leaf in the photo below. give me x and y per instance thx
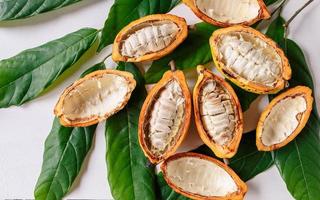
(17, 9)
(276, 30)
(298, 162)
(300, 70)
(96, 67)
(193, 51)
(269, 2)
(248, 162)
(245, 98)
(125, 11)
(65, 151)
(129, 173)
(24, 76)
(164, 192)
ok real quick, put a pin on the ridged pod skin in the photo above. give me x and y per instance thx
(240, 186)
(229, 149)
(77, 97)
(263, 13)
(133, 28)
(283, 67)
(146, 114)
(301, 116)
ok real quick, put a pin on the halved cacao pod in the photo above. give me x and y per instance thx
(229, 12)
(94, 97)
(218, 114)
(165, 117)
(284, 118)
(149, 38)
(250, 59)
(202, 177)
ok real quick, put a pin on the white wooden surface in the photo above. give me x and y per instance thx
(24, 129)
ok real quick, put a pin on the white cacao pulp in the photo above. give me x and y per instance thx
(95, 97)
(149, 37)
(229, 11)
(217, 112)
(166, 117)
(283, 119)
(250, 57)
(199, 176)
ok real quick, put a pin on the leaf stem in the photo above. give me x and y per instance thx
(297, 13)
(192, 27)
(172, 65)
(226, 161)
(279, 8)
(286, 25)
(104, 59)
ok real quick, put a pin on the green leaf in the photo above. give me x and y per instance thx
(269, 2)
(65, 151)
(248, 162)
(96, 67)
(129, 173)
(193, 51)
(300, 70)
(276, 30)
(245, 98)
(125, 11)
(298, 162)
(17, 9)
(24, 76)
(164, 192)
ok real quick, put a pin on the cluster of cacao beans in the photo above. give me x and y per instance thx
(242, 54)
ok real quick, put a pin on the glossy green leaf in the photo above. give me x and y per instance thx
(245, 98)
(164, 192)
(193, 51)
(129, 173)
(96, 67)
(17, 9)
(248, 162)
(276, 30)
(300, 70)
(269, 2)
(125, 11)
(298, 162)
(24, 76)
(64, 152)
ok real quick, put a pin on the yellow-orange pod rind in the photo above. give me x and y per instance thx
(58, 110)
(304, 91)
(167, 77)
(180, 37)
(240, 81)
(263, 14)
(231, 149)
(238, 195)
